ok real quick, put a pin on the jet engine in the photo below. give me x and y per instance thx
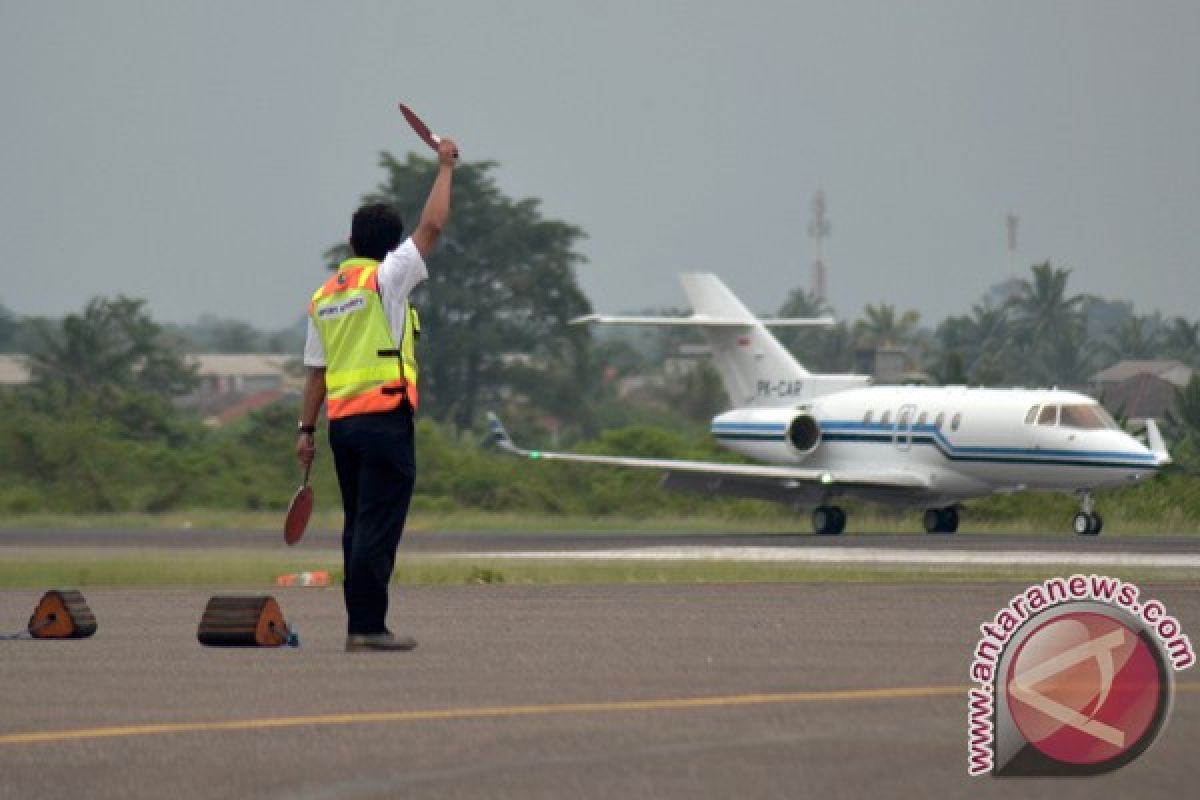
(804, 433)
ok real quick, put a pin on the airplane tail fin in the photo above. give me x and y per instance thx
(755, 369)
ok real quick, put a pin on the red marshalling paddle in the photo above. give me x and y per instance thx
(299, 510)
(421, 129)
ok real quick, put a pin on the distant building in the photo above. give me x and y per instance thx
(1140, 389)
(1001, 293)
(230, 385)
(889, 365)
(233, 384)
(241, 373)
(686, 360)
(14, 370)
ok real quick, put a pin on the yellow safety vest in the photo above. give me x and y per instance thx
(349, 316)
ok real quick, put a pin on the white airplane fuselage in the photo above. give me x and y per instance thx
(966, 442)
(820, 437)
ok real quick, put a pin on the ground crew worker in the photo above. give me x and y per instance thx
(359, 313)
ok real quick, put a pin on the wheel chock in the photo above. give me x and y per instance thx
(62, 614)
(243, 622)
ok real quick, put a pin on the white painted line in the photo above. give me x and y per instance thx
(854, 555)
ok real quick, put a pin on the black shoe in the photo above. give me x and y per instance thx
(378, 642)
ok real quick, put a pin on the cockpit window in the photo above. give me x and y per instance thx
(1086, 416)
(1049, 415)
(1032, 415)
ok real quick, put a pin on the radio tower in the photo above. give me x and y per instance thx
(819, 229)
(1012, 221)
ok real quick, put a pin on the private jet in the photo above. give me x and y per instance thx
(824, 437)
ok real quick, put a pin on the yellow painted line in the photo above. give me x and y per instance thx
(484, 712)
(488, 712)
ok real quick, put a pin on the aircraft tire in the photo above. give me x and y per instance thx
(932, 520)
(825, 520)
(1086, 524)
(949, 517)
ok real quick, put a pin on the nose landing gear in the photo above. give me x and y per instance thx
(1087, 522)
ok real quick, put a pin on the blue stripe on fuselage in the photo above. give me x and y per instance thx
(855, 431)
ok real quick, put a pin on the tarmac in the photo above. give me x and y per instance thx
(671, 691)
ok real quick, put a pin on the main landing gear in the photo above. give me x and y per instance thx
(828, 520)
(941, 520)
(1087, 522)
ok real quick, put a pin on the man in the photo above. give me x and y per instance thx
(360, 360)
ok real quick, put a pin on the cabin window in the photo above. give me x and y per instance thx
(1049, 416)
(886, 418)
(941, 419)
(922, 419)
(1087, 417)
(1032, 415)
(903, 419)
(867, 417)
(954, 423)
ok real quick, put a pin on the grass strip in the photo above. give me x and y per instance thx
(259, 571)
(1114, 525)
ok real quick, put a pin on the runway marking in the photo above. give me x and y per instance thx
(486, 712)
(853, 555)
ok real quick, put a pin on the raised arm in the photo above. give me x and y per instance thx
(437, 205)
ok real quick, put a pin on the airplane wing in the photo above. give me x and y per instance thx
(739, 480)
(706, 321)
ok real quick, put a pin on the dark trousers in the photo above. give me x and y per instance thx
(376, 468)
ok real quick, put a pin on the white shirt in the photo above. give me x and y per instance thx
(399, 273)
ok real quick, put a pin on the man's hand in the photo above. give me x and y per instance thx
(447, 152)
(306, 449)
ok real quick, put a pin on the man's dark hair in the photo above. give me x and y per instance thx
(375, 231)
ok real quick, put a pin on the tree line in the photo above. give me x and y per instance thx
(97, 429)
(1037, 334)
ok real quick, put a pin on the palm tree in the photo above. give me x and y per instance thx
(1186, 411)
(882, 327)
(803, 304)
(993, 360)
(1181, 340)
(113, 347)
(1063, 361)
(1042, 308)
(1134, 338)
(822, 349)
(1050, 326)
(976, 348)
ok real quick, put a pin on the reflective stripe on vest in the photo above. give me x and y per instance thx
(353, 327)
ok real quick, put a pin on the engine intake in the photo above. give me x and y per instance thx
(804, 434)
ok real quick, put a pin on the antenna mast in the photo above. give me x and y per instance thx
(819, 229)
(1012, 220)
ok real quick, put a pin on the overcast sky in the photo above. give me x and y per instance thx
(204, 154)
